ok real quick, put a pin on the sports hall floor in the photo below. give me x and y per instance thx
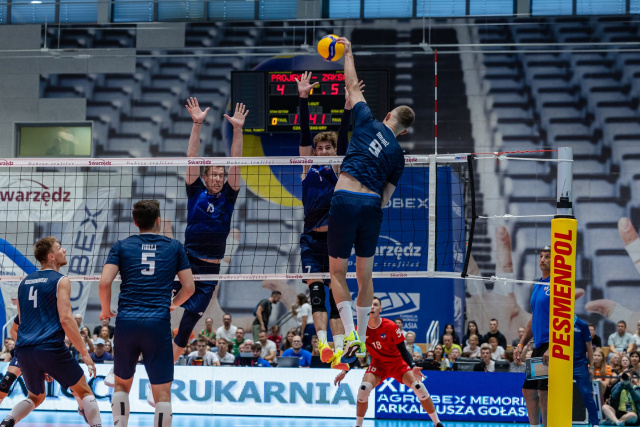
(72, 419)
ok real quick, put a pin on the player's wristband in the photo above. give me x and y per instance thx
(198, 123)
(520, 345)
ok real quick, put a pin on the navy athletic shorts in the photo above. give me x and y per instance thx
(14, 362)
(354, 219)
(201, 298)
(314, 254)
(152, 338)
(55, 360)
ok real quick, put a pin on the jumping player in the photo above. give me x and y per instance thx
(389, 358)
(45, 316)
(318, 183)
(370, 173)
(210, 207)
(148, 263)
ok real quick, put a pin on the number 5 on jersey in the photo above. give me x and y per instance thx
(33, 296)
(151, 263)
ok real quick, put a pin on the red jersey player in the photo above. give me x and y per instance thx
(389, 358)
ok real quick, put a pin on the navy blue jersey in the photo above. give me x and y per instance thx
(208, 220)
(374, 156)
(317, 190)
(148, 264)
(39, 318)
(540, 305)
(582, 338)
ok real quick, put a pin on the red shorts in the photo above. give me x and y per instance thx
(393, 369)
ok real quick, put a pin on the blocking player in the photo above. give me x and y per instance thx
(148, 263)
(318, 183)
(210, 207)
(370, 173)
(389, 359)
(44, 310)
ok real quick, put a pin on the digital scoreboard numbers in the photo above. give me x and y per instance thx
(273, 95)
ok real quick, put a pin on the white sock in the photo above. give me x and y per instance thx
(344, 308)
(91, 410)
(338, 342)
(363, 320)
(322, 336)
(434, 418)
(163, 415)
(120, 408)
(359, 421)
(21, 410)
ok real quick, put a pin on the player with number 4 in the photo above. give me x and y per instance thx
(148, 263)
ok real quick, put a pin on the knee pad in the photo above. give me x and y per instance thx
(420, 390)
(187, 324)
(7, 382)
(364, 391)
(317, 296)
(335, 314)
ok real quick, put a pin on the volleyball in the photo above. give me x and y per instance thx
(329, 48)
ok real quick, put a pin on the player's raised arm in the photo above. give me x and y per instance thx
(109, 273)
(13, 332)
(304, 89)
(198, 116)
(188, 287)
(237, 121)
(350, 76)
(69, 324)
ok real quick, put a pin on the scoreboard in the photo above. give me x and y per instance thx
(272, 98)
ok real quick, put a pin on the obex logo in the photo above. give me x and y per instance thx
(34, 191)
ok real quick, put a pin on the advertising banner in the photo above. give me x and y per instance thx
(457, 396)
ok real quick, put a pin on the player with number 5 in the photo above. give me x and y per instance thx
(369, 174)
(44, 310)
(148, 263)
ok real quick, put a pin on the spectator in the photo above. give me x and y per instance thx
(496, 350)
(227, 330)
(263, 312)
(441, 357)
(303, 355)
(455, 355)
(287, 342)
(302, 311)
(400, 324)
(635, 361)
(430, 355)
(636, 336)
(601, 372)
(417, 357)
(237, 341)
(78, 319)
(472, 329)
(9, 344)
(515, 365)
(247, 347)
(624, 403)
(275, 335)
(268, 348)
(614, 362)
(515, 342)
(223, 351)
(596, 341)
(485, 355)
(208, 333)
(315, 346)
(104, 333)
(309, 347)
(625, 363)
(202, 357)
(108, 347)
(100, 355)
(257, 351)
(449, 345)
(448, 329)
(410, 339)
(473, 348)
(621, 341)
(98, 329)
(494, 332)
(84, 333)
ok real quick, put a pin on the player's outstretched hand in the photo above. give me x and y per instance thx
(107, 315)
(347, 101)
(339, 378)
(193, 108)
(237, 121)
(304, 84)
(417, 372)
(91, 366)
(347, 44)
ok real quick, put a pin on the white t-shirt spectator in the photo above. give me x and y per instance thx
(305, 310)
(209, 359)
(474, 353)
(636, 338)
(229, 335)
(228, 358)
(268, 348)
(497, 355)
(492, 366)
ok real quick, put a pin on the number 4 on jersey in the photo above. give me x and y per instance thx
(33, 296)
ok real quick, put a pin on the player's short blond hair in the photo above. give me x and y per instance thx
(43, 248)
